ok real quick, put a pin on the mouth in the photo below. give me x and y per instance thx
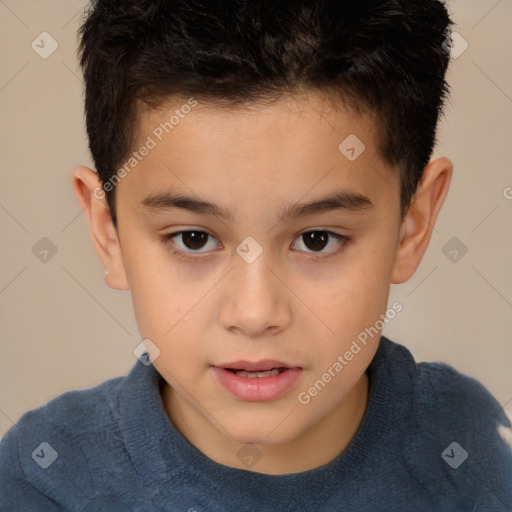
(255, 366)
(260, 381)
(253, 374)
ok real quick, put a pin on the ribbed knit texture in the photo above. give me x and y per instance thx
(118, 451)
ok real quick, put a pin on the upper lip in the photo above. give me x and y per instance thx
(255, 366)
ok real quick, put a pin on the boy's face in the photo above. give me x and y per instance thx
(301, 302)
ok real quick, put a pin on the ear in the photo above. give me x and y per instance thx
(92, 199)
(419, 221)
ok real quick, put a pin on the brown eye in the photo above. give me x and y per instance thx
(191, 241)
(316, 240)
(194, 239)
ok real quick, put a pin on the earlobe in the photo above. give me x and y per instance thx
(416, 229)
(91, 197)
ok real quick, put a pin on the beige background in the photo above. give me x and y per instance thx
(62, 328)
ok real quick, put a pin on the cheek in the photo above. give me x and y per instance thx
(352, 303)
(158, 293)
(374, 265)
(168, 307)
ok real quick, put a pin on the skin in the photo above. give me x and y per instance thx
(294, 303)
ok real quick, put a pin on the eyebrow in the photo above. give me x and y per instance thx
(343, 200)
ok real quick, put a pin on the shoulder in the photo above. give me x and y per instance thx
(440, 394)
(459, 438)
(33, 450)
(461, 403)
(79, 410)
(442, 385)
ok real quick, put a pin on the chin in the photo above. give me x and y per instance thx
(263, 439)
(263, 432)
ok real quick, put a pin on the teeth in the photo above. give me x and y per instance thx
(252, 375)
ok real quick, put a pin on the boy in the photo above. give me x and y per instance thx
(263, 175)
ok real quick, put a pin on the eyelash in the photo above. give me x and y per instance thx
(344, 241)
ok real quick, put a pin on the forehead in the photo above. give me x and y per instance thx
(275, 150)
(250, 127)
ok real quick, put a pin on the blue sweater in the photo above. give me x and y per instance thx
(432, 439)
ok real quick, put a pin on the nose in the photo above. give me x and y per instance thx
(256, 302)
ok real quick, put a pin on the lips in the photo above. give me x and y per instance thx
(259, 381)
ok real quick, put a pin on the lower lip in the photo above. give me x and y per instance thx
(257, 389)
